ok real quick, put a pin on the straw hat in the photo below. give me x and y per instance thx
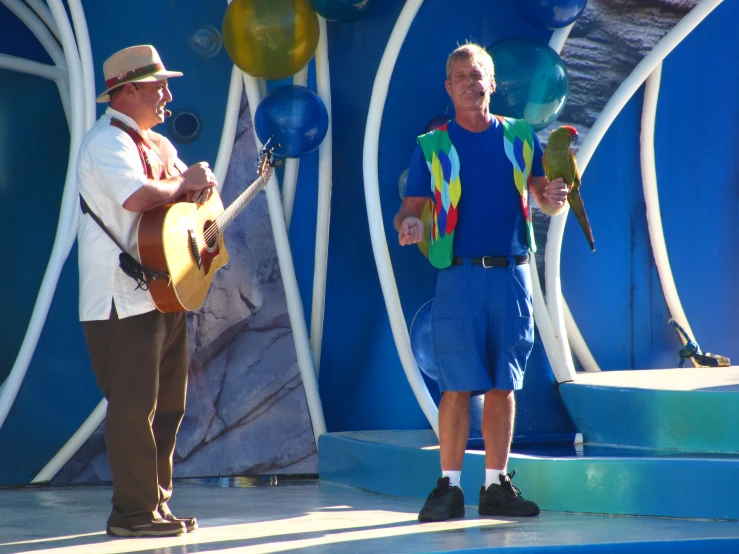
(137, 64)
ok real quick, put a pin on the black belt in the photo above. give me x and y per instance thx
(492, 261)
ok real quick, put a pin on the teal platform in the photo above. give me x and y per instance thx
(694, 409)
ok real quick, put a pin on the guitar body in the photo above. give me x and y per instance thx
(170, 239)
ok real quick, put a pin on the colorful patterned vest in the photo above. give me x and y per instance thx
(443, 164)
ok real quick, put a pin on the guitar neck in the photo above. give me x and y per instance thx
(230, 213)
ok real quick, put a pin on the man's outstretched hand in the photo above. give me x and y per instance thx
(411, 231)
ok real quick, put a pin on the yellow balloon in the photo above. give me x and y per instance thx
(423, 245)
(270, 39)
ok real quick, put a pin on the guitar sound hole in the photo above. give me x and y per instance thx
(211, 238)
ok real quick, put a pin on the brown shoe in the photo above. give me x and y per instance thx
(190, 523)
(138, 527)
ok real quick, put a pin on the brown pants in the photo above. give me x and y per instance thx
(140, 364)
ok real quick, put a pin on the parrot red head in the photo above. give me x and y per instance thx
(573, 133)
(562, 138)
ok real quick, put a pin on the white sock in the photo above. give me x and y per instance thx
(454, 477)
(492, 476)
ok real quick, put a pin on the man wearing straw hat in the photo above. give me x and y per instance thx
(139, 355)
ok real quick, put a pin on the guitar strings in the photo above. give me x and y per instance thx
(214, 230)
(227, 216)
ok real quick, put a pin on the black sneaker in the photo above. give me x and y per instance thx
(444, 502)
(505, 500)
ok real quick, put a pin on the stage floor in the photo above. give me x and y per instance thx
(321, 517)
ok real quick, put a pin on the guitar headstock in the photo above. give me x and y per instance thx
(266, 161)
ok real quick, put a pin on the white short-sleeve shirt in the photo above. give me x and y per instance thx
(109, 171)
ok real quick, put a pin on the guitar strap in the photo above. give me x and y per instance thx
(140, 273)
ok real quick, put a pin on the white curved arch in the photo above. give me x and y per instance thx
(549, 339)
(73, 444)
(559, 37)
(30, 67)
(84, 47)
(651, 200)
(44, 13)
(228, 134)
(323, 217)
(595, 135)
(292, 293)
(292, 165)
(40, 31)
(374, 211)
(68, 218)
(52, 47)
(577, 342)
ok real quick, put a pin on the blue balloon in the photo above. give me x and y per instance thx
(531, 81)
(341, 10)
(294, 117)
(422, 340)
(550, 14)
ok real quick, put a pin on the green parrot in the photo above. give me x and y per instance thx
(559, 161)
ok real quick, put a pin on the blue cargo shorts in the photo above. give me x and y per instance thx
(483, 326)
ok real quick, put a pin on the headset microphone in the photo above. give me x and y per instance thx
(167, 113)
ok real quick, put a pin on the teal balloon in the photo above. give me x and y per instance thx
(531, 81)
(550, 14)
(341, 10)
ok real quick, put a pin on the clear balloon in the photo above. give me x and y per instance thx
(424, 351)
(531, 81)
(295, 118)
(550, 14)
(206, 42)
(422, 340)
(402, 182)
(341, 10)
(270, 39)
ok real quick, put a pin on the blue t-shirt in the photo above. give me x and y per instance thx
(490, 222)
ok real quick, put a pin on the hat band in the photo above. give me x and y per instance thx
(133, 74)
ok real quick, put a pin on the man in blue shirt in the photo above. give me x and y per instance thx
(478, 170)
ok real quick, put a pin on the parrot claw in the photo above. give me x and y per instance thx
(575, 201)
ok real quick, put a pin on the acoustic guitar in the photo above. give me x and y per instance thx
(185, 241)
